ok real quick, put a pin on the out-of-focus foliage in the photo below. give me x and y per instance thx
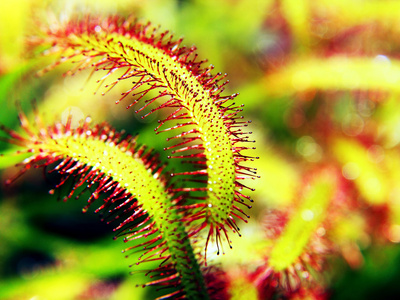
(319, 79)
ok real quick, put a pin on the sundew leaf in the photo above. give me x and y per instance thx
(212, 142)
(302, 224)
(336, 73)
(136, 194)
(297, 249)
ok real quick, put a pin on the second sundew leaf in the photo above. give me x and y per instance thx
(153, 61)
(136, 192)
(302, 225)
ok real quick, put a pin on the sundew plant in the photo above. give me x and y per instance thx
(275, 180)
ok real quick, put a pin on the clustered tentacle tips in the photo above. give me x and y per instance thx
(155, 62)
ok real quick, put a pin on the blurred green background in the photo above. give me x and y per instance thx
(320, 81)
